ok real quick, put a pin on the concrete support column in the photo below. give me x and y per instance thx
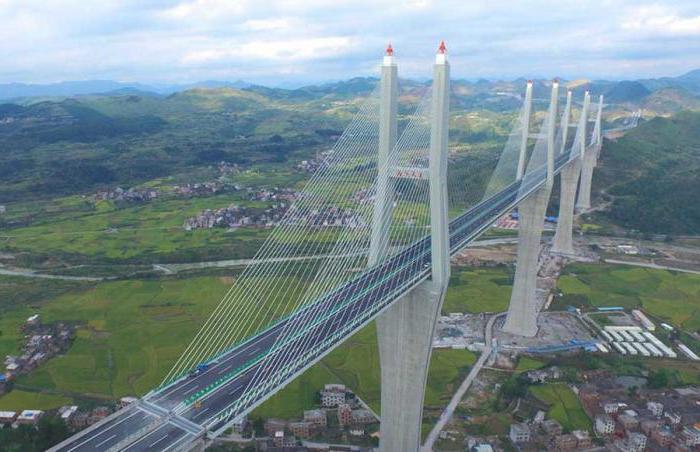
(522, 311)
(405, 331)
(584, 194)
(405, 334)
(563, 240)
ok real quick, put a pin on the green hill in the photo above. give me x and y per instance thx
(652, 175)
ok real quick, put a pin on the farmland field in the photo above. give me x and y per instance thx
(130, 332)
(672, 296)
(478, 290)
(564, 405)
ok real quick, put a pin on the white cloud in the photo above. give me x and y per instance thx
(277, 41)
(288, 50)
(660, 20)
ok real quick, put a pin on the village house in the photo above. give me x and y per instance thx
(519, 433)
(29, 417)
(604, 424)
(333, 395)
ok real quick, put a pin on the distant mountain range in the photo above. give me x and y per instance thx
(664, 96)
(10, 91)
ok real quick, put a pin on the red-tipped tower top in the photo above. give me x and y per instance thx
(529, 82)
(389, 50)
(442, 49)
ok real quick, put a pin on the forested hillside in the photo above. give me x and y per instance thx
(652, 175)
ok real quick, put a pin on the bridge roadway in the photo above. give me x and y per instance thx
(151, 425)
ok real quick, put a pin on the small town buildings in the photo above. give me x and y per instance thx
(67, 412)
(539, 417)
(98, 413)
(301, 429)
(542, 375)
(662, 436)
(519, 433)
(673, 418)
(333, 395)
(79, 420)
(691, 436)
(604, 424)
(7, 417)
(643, 319)
(316, 417)
(565, 442)
(552, 427)
(356, 431)
(29, 417)
(649, 425)
(362, 417)
(627, 421)
(279, 439)
(637, 440)
(33, 320)
(344, 414)
(656, 408)
(612, 407)
(274, 425)
(126, 400)
(583, 439)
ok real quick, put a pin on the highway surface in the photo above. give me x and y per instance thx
(161, 421)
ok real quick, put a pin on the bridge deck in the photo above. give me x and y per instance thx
(347, 309)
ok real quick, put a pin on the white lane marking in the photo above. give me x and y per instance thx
(178, 442)
(190, 391)
(97, 431)
(157, 441)
(222, 360)
(108, 439)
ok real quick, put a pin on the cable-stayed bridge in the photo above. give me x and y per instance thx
(386, 214)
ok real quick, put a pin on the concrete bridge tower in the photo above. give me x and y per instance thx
(522, 311)
(405, 330)
(563, 240)
(589, 161)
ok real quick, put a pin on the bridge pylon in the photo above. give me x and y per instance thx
(589, 161)
(405, 330)
(521, 319)
(563, 237)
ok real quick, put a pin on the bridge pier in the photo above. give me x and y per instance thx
(590, 161)
(405, 330)
(522, 310)
(563, 240)
(584, 194)
(405, 336)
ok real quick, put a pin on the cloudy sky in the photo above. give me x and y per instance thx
(283, 42)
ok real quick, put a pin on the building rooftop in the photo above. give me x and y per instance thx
(30, 414)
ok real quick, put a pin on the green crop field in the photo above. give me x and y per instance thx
(478, 290)
(672, 296)
(21, 400)
(526, 363)
(564, 405)
(130, 332)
